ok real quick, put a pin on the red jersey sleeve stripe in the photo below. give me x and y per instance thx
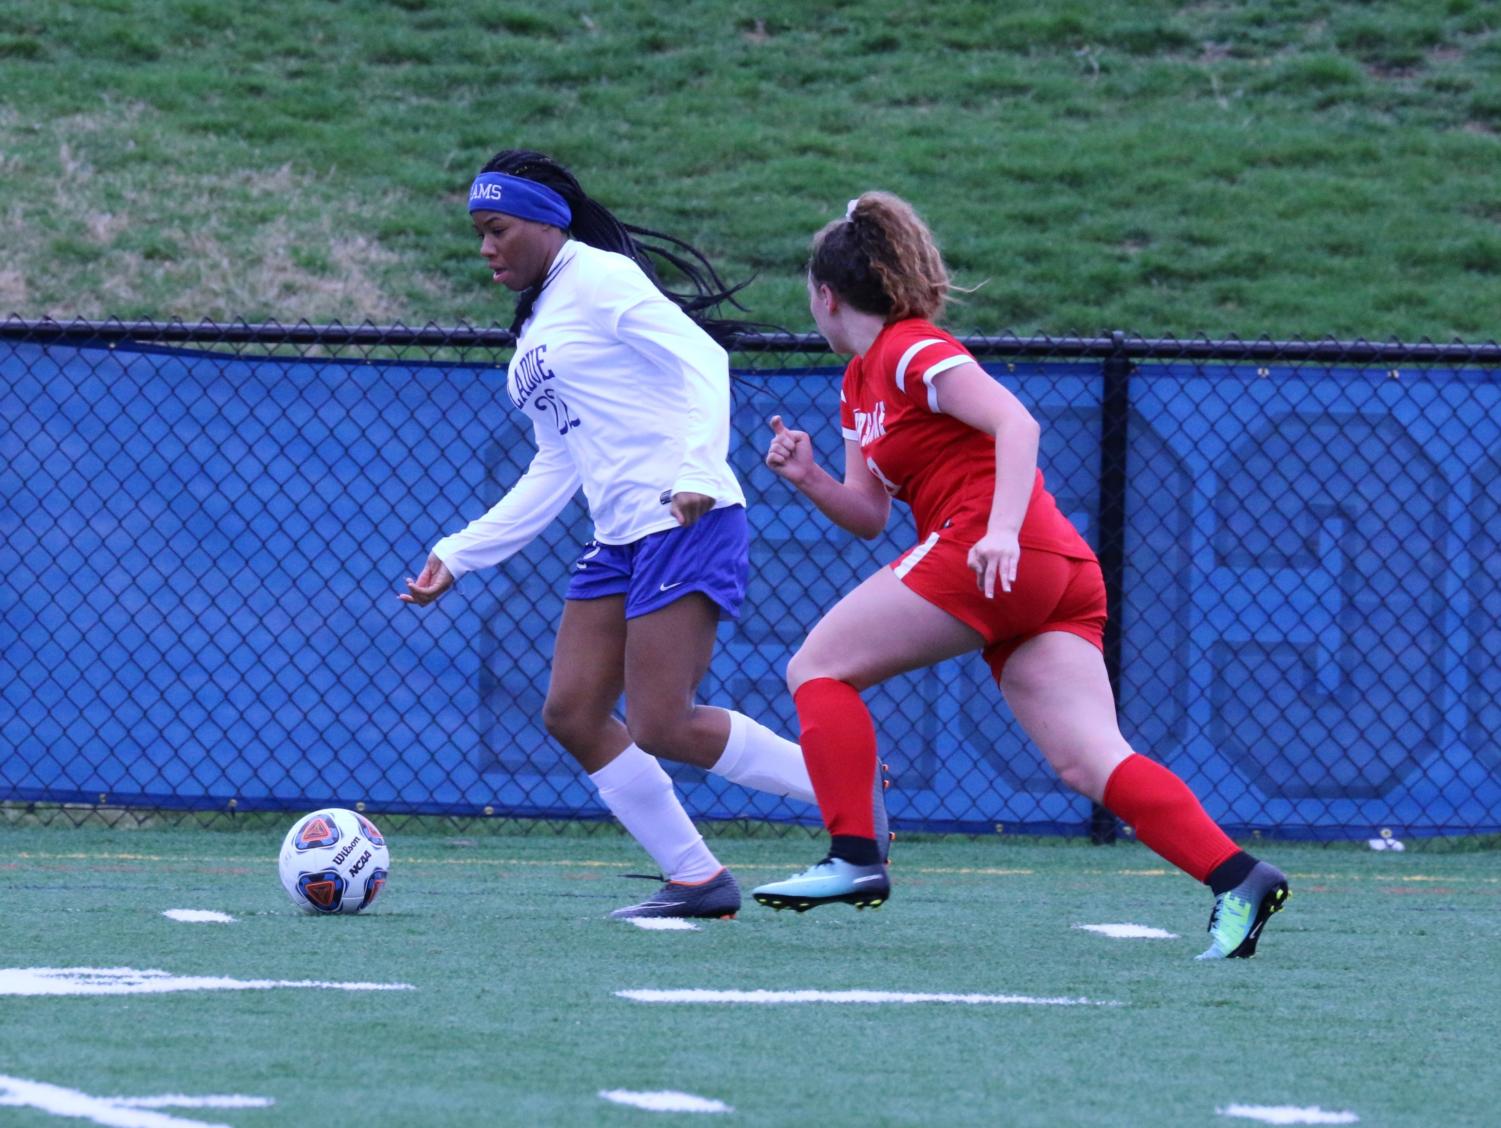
(901, 365)
(934, 370)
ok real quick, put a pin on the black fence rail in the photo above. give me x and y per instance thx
(205, 527)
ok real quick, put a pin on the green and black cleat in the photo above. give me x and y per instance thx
(1240, 913)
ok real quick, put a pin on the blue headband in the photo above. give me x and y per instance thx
(515, 195)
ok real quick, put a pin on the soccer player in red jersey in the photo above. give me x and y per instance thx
(996, 568)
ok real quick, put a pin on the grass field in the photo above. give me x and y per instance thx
(1299, 168)
(1374, 993)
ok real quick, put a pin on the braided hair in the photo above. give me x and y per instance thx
(881, 258)
(594, 224)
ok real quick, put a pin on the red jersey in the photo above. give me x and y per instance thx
(942, 468)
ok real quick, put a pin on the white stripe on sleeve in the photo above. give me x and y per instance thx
(901, 367)
(941, 366)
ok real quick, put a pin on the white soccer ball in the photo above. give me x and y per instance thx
(333, 861)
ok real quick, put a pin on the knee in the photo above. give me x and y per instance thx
(804, 667)
(796, 674)
(1087, 770)
(657, 733)
(566, 724)
(1075, 773)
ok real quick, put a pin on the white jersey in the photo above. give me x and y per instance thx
(627, 397)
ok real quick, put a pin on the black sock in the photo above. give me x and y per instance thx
(854, 849)
(1231, 872)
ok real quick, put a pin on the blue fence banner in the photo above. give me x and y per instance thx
(202, 551)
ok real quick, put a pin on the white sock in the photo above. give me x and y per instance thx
(640, 794)
(756, 757)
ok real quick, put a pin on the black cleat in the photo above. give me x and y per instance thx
(719, 897)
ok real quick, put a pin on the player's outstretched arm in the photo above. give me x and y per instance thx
(860, 504)
(433, 582)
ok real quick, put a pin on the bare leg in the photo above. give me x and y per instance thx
(667, 654)
(877, 631)
(588, 676)
(1057, 686)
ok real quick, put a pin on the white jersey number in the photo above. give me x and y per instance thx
(891, 487)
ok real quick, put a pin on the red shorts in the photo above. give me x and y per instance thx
(1051, 593)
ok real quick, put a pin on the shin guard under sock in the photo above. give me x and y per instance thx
(1167, 817)
(839, 745)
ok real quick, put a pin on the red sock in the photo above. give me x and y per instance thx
(839, 746)
(1166, 816)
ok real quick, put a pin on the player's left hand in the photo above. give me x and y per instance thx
(689, 507)
(993, 558)
(433, 582)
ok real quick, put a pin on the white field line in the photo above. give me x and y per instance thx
(198, 916)
(17, 1092)
(701, 995)
(1128, 931)
(1288, 1114)
(664, 1100)
(664, 924)
(129, 981)
(180, 1100)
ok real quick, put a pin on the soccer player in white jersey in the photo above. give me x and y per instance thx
(629, 397)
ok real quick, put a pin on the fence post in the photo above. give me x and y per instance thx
(1115, 413)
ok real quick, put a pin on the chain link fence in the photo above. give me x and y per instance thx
(205, 528)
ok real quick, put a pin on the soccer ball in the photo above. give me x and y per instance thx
(333, 861)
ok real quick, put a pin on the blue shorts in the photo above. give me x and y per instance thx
(711, 556)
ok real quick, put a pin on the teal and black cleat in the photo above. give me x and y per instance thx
(1239, 914)
(718, 897)
(831, 880)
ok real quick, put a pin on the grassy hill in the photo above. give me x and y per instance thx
(1289, 168)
